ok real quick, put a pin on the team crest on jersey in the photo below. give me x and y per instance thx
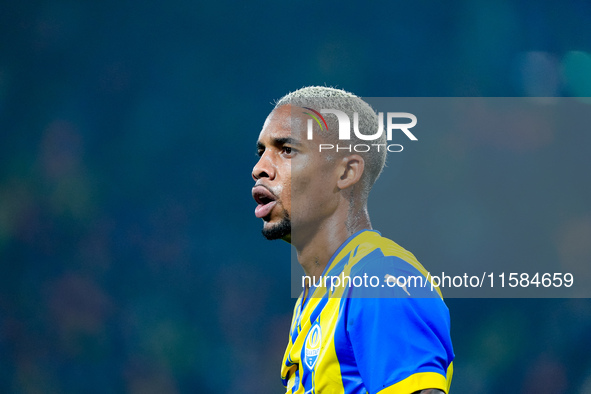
(312, 348)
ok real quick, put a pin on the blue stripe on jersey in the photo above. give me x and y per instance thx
(306, 379)
(338, 268)
(342, 246)
(352, 382)
(294, 336)
(296, 385)
(318, 309)
(288, 362)
(296, 325)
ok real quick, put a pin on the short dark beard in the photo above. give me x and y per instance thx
(279, 230)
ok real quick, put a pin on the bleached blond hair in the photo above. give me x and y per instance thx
(322, 97)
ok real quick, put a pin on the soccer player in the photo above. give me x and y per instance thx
(360, 338)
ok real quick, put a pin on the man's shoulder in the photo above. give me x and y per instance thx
(396, 269)
(374, 250)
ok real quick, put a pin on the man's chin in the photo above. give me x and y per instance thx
(281, 230)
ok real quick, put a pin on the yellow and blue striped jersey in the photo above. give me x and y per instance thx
(369, 339)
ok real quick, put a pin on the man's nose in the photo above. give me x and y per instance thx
(264, 168)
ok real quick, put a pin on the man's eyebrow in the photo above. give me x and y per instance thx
(286, 140)
(280, 141)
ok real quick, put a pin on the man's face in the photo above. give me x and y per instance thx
(290, 162)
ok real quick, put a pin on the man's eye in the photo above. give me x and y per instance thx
(287, 150)
(259, 153)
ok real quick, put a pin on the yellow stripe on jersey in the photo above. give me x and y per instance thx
(431, 380)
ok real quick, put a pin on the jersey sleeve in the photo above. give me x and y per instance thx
(401, 344)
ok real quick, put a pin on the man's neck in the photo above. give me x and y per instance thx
(320, 243)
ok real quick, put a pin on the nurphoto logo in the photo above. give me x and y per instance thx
(345, 130)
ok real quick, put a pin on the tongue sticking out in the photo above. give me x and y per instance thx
(264, 209)
(265, 200)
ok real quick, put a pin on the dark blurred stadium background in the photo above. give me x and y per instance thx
(130, 257)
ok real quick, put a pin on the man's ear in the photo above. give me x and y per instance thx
(350, 170)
